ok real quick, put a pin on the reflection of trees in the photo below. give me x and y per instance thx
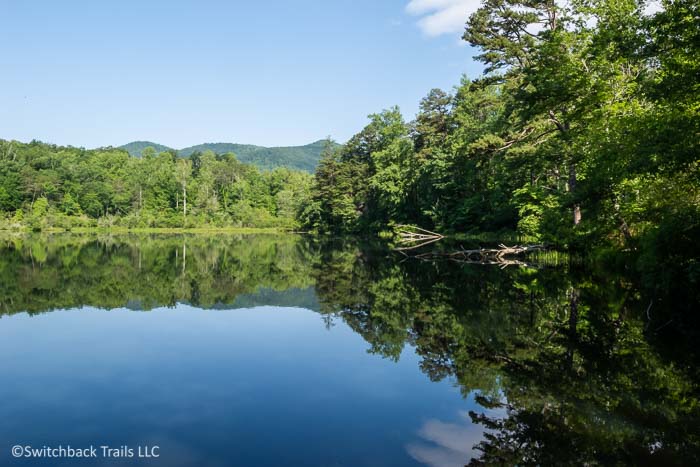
(563, 353)
(64, 271)
(596, 393)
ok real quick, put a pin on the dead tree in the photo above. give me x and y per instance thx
(412, 238)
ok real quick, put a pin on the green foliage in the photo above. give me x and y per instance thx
(69, 187)
(69, 206)
(40, 207)
(582, 132)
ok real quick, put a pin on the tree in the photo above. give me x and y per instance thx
(70, 206)
(183, 172)
(40, 208)
(530, 48)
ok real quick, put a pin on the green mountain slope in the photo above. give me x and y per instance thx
(136, 148)
(294, 157)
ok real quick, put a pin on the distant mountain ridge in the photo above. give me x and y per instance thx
(135, 148)
(294, 157)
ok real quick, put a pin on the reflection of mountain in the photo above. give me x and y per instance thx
(290, 298)
(293, 297)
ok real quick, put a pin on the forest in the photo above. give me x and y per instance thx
(44, 186)
(582, 132)
(585, 125)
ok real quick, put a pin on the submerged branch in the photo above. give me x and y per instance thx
(501, 256)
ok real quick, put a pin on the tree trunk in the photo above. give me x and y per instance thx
(564, 127)
(572, 191)
(184, 257)
(624, 227)
(184, 201)
(573, 327)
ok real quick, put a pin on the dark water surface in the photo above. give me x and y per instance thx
(284, 350)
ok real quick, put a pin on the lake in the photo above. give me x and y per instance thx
(289, 350)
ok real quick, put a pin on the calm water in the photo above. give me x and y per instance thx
(283, 350)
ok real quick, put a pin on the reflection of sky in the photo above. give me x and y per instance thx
(262, 386)
(444, 444)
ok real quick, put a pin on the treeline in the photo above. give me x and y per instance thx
(44, 186)
(583, 130)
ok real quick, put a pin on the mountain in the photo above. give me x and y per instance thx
(294, 157)
(136, 148)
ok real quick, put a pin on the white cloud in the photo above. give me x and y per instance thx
(653, 7)
(439, 17)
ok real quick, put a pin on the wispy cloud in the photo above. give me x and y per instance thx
(439, 17)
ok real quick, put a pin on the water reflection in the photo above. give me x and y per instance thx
(445, 444)
(556, 365)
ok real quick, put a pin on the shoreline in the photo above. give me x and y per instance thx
(154, 230)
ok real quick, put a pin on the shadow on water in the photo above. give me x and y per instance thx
(561, 357)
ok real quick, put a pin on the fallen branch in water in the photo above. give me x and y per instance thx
(502, 256)
(415, 237)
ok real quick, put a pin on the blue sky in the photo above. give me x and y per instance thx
(98, 73)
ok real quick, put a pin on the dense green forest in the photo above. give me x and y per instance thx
(584, 130)
(44, 186)
(294, 157)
